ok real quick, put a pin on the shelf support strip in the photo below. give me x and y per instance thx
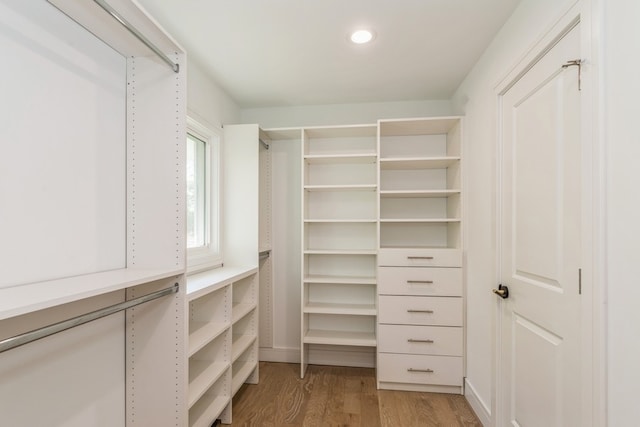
(46, 331)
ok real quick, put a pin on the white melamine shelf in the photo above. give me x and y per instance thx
(361, 187)
(22, 299)
(417, 193)
(346, 131)
(340, 280)
(244, 369)
(205, 412)
(348, 309)
(340, 251)
(322, 159)
(202, 333)
(338, 221)
(420, 220)
(202, 375)
(240, 344)
(417, 126)
(360, 339)
(203, 283)
(417, 162)
(241, 310)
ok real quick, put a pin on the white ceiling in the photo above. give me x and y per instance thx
(267, 53)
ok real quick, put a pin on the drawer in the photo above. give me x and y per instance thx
(434, 340)
(420, 281)
(407, 310)
(416, 369)
(420, 257)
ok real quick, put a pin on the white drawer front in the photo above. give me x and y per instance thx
(416, 369)
(406, 310)
(420, 257)
(420, 281)
(434, 340)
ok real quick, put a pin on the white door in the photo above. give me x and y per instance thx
(540, 226)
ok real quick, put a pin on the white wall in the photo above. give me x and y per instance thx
(476, 99)
(207, 101)
(343, 114)
(621, 92)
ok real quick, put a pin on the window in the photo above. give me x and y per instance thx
(203, 197)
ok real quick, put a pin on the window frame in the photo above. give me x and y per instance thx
(210, 255)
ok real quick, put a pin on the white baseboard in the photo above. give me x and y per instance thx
(283, 355)
(477, 404)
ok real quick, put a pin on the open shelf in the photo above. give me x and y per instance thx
(340, 251)
(400, 163)
(359, 339)
(322, 159)
(347, 280)
(240, 344)
(347, 309)
(202, 375)
(202, 333)
(241, 310)
(417, 193)
(205, 412)
(241, 371)
(27, 298)
(360, 187)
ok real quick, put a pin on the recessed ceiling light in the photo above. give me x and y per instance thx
(361, 36)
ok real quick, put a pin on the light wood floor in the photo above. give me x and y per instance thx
(339, 396)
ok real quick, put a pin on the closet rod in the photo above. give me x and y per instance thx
(263, 143)
(111, 11)
(43, 332)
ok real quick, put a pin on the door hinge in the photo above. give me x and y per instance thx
(576, 63)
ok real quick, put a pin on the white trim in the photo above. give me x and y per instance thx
(200, 259)
(593, 108)
(477, 404)
(593, 387)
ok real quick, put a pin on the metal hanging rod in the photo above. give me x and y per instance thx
(263, 143)
(37, 334)
(111, 11)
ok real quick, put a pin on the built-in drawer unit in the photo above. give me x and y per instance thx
(420, 369)
(410, 339)
(420, 281)
(411, 257)
(412, 310)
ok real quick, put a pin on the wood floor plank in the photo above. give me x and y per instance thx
(331, 396)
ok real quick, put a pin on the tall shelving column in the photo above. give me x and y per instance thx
(420, 291)
(339, 238)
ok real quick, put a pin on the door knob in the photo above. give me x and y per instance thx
(502, 291)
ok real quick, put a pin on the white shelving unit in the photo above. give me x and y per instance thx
(222, 341)
(133, 143)
(420, 292)
(420, 183)
(339, 238)
(223, 302)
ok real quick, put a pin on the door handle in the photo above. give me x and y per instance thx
(502, 291)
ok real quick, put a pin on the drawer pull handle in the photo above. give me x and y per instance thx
(419, 257)
(420, 282)
(415, 340)
(428, 371)
(419, 311)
